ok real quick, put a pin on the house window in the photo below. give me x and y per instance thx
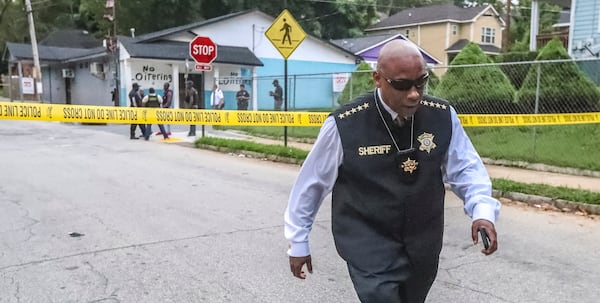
(407, 34)
(488, 35)
(454, 30)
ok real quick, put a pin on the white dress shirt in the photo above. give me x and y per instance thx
(462, 169)
(216, 97)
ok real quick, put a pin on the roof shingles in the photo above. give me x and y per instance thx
(429, 14)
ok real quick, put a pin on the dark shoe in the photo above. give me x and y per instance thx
(146, 138)
(133, 138)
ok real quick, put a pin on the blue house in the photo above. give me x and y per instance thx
(584, 36)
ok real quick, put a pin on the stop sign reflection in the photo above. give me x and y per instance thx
(203, 50)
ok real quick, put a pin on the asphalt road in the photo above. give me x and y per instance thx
(160, 222)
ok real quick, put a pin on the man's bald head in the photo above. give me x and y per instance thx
(399, 50)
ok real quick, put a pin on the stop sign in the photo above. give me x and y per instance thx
(203, 50)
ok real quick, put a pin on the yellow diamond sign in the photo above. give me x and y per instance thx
(285, 33)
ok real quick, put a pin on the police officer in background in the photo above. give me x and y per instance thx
(135, 100)
(192, 101)
(167, 102)
(242, 97)
(153, 100)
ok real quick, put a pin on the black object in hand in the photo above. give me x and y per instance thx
(484, 237)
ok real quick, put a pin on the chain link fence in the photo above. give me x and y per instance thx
(544, 87)
(557, 86)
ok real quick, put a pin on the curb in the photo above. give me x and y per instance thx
(548, 204)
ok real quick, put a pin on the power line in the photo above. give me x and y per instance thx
(319, 17)
(346, 3)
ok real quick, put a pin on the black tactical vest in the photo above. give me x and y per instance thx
(152, 101)
(388, 205)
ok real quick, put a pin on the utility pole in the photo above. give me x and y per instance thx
(37, 71)
(113, 44)
(508, 17)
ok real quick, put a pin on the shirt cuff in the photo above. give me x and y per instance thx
(484, 211)
(298, 249)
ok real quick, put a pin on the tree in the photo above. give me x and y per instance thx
(12, 21)
(476, 89)
(521, 21)
(563, 87)
(360, 82)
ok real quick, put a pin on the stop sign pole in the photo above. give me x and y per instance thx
(204, 51)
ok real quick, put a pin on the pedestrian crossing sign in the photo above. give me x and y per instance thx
(285, 33)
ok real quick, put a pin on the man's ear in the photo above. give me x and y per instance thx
(376, 78)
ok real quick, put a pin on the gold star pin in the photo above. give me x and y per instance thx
(410, 165)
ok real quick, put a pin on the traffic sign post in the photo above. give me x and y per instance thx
(286, 35)
(204, 51)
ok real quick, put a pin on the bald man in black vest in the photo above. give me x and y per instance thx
(386, 157)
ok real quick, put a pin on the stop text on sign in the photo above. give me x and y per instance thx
(203, 50)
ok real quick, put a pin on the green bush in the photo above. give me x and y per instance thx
(563, 87)
(476, 89)
(360, 83)
(434, 81)
(516, 72)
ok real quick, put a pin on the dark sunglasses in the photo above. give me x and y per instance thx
(406, 84)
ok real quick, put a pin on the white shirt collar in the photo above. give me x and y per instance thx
(386, 107)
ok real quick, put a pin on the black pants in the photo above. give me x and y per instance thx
(396, 285)
(133, 127)
(242, 105)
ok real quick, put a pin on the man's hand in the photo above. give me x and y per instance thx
(491, 231)
(296, 264)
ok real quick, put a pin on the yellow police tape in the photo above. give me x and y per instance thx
(145, 115)
(135, 115)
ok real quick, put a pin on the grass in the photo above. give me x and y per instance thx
(575, 146)
(555, 192)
